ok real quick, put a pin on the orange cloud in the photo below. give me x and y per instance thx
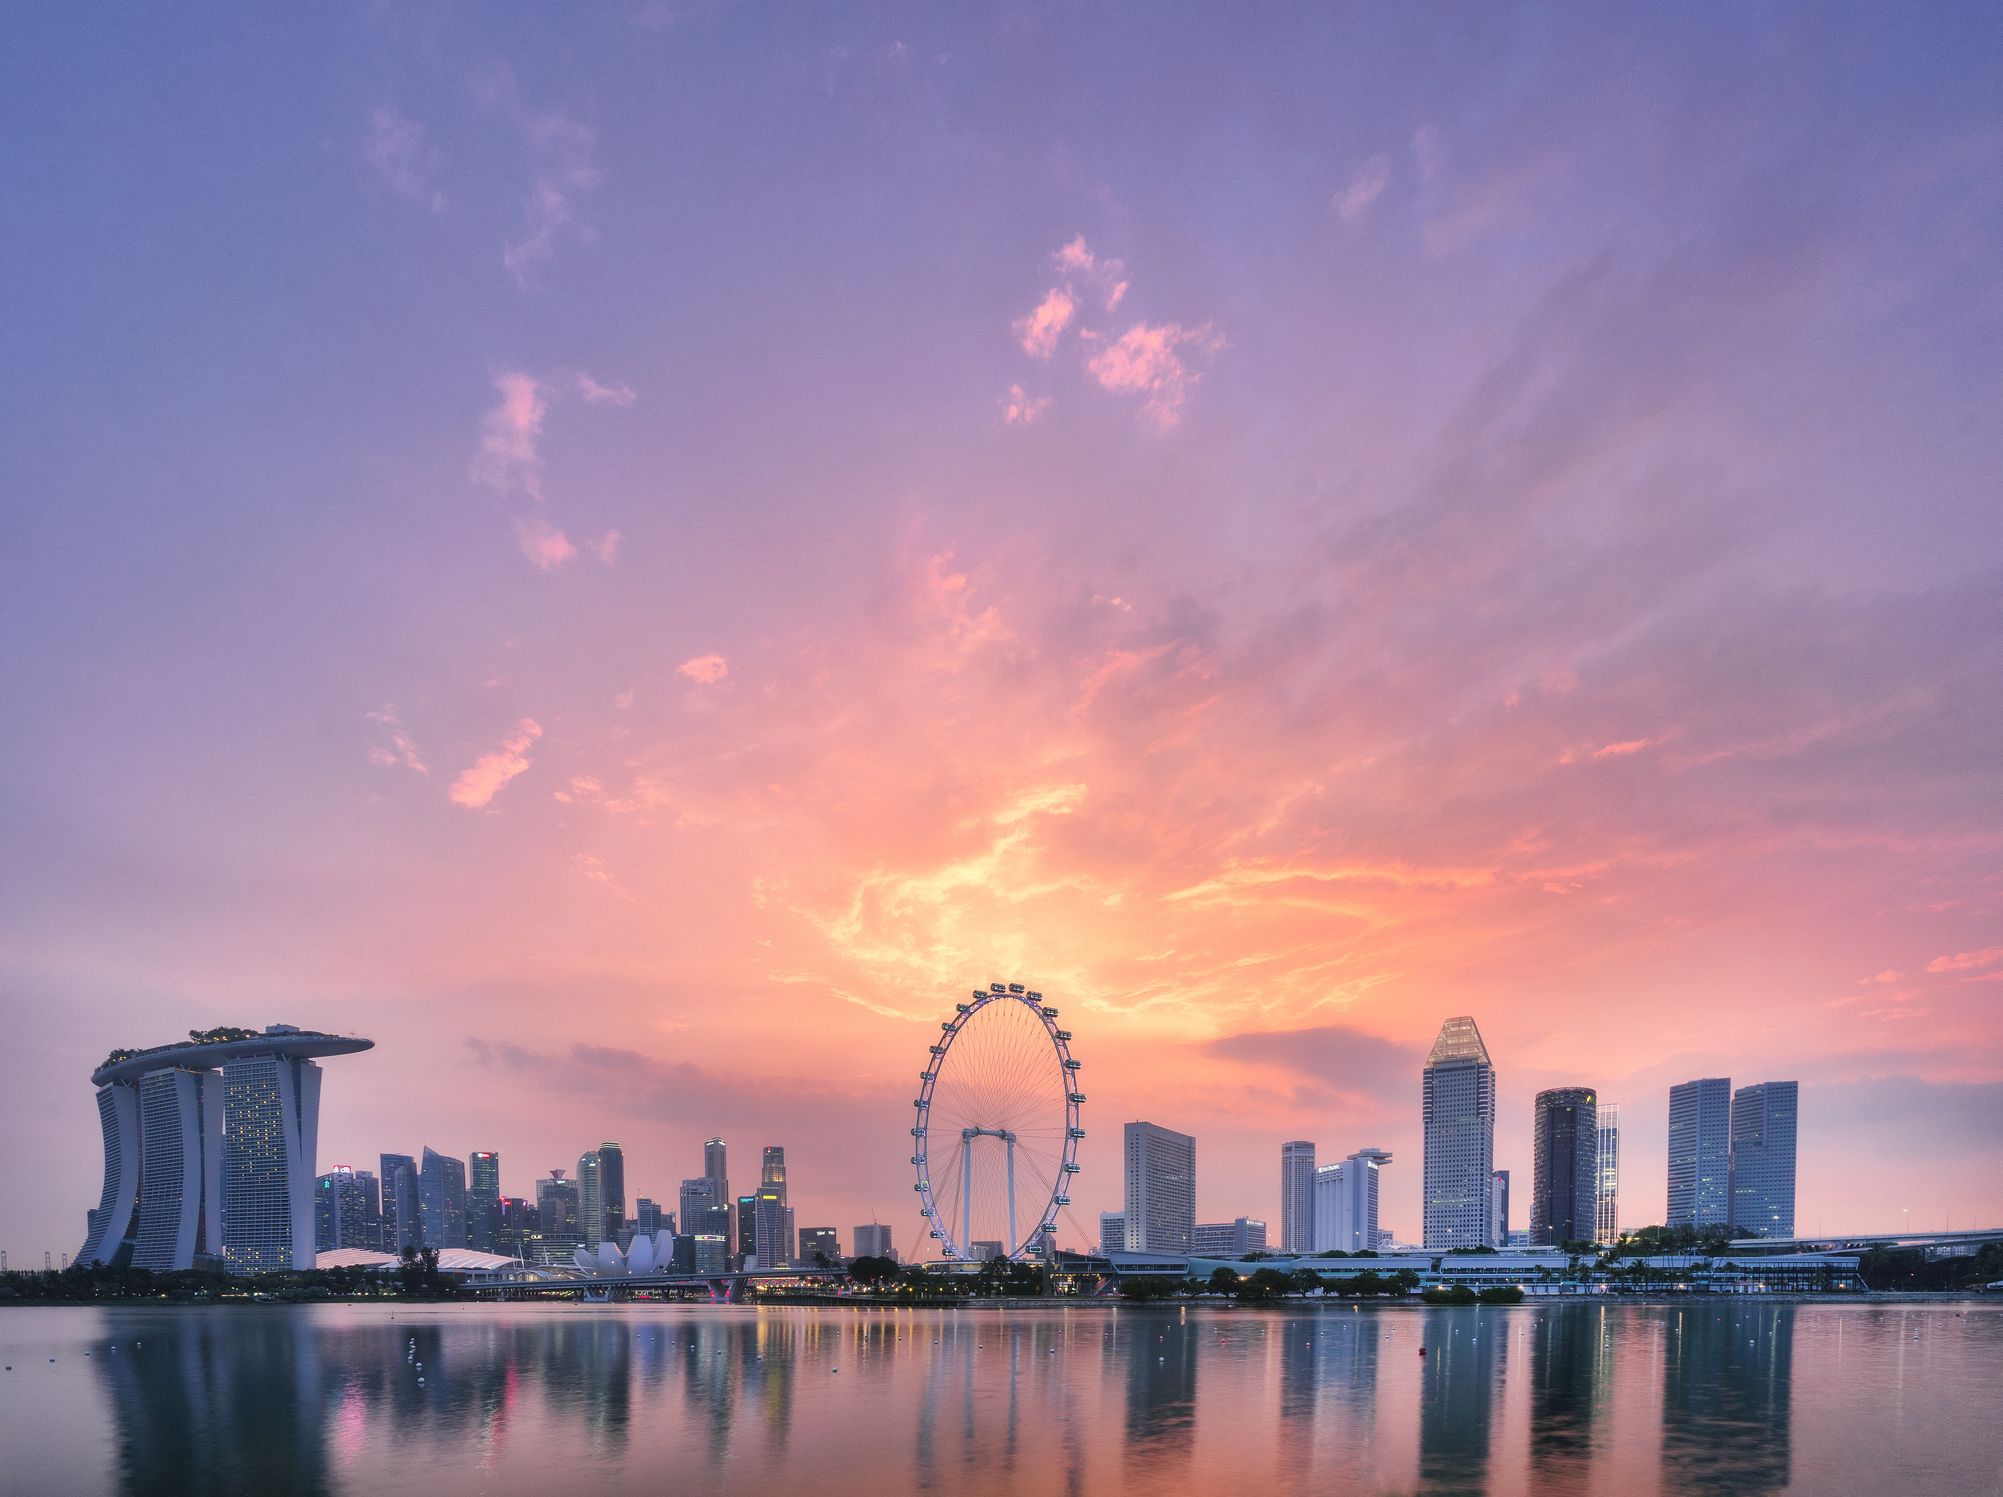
(488, 775)
(1966, 961)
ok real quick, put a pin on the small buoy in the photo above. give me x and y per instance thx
(834, 1369)
(1422, 1351)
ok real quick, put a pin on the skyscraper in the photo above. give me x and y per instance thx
(558, 1214)
(1345, 1203)
(747, 1225)
(483, 1200)
(177, 1159)
(402, 1227)
(1297, 1196)
(772, 1228)
(818, 1246)
(271, 1131)
(1763, 1144)
(590, 1201)
(612, 1188)
(1564, 1178)
(441, 1199)
(1458, 1090)
(1700, 1153)
(1498, 1213)
(702, 1208)
(647, 1217)
(518, 1228)
(873, 1241)
(341, 1214)
(774, 1173)
(1606, 1214)
(716, 1166)
(1161, 1189)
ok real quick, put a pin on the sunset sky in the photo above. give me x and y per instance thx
(631, 553)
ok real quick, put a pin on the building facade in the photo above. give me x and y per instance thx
(1565, 1166)
(559, 1215)
(1345, 1203)
(1232, 1239)
(180, 1187)
(1763, 1155)
(1606, 1209)
(1112, 1231)
(402, 1224)
(1498, 1212)
(441, 1200)
(271, 1129)
(1297, 1196)
(612, 1189)
(344, 1215)
(1700, 1153)
(590, 1201)
(1458, 1102)
(818, 1246)
(483, 1200)
(1161, 1189)
(873, 1241)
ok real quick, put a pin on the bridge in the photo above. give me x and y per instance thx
(1935, 1244)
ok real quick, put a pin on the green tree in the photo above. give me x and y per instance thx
(1222, 1280)
(1148, 1288)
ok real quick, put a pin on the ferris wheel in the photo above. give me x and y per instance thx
(996, 1140)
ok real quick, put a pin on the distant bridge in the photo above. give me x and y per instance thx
(722, 1288)
(1934, 1243)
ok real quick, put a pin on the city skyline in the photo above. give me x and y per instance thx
(632, 561)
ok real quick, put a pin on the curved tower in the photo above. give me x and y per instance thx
(209, 1149)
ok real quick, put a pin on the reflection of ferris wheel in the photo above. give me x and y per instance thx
(997, 1138)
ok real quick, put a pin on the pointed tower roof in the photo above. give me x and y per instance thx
(1460, 1040)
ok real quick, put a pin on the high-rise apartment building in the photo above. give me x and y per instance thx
(819, 1245)
(1297, 1196)
(1458, 1094)
(441, 1199)
(1498, 1213)
(590, 1201)
(1112, 1231)
(612, 1189)
(1606, 1211)
(873, 1241)
(1161, 1189)
(483, 1200)
(1232, 1239)
(402, 1227)
(1763, 1148)
(1564, 1174)
(1700, 1153)
(1345, 1203)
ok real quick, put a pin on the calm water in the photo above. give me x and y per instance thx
(544, 1399)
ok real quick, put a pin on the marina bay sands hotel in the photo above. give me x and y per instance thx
(209, 1150)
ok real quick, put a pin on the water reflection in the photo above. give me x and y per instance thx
(1727, 1398)
(524, 1399)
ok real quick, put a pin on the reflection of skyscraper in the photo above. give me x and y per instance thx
(1763, 1139)
(1564, 1179)
(1700, 1153)
(483, 1200)
(1606, 1207)
(1161, 1189)
(402, 1227)
(612, 1188)
(1458, 1091)
(1565, 1364)
(590, 1200)
(441, 1202)
(1161, 1402)
(1297, 1196)
(1458, 1389)
(1727, 1398)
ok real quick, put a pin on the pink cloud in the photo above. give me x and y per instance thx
(593, 393)
(1355, 201)
(1040, 330)
(509, 432)
(397, 747)
(542, 543)
(1623, 748)
(1966, 961)
(1147, 361)
(1020, 408)
(606, 547)
(1076, 258)
(706, 669)
(485, 778)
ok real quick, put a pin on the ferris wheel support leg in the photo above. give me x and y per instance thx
(967, 1198)
(1011, 1194)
